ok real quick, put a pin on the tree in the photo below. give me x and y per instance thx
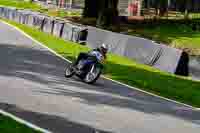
(105, 11)
(91, 8)
(161, 7)
(108, 13)
(184, 7)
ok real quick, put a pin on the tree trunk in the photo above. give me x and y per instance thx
(108, 13)
(163, 7)
(91, 9)
(105, 11)
(187, 5)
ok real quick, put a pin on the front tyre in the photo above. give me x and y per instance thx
(69, 72)
(91, 77)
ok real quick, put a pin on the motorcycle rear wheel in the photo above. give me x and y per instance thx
(69, 72)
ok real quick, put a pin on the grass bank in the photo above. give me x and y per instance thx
(181, 36)
(126, 70)
(20, 4)
(7, 125)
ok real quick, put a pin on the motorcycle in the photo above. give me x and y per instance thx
(88, 70)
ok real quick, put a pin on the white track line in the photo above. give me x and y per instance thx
(194, 108)
(28, 124)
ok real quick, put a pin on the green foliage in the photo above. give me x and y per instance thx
(105, 11)
(20, 4)
(8, 125)
(185, 34)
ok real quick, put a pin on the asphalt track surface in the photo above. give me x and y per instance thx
(33, 87)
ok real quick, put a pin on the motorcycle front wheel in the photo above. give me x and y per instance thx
(91, 77)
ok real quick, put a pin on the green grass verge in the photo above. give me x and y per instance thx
(63, 13)
(126, 70)
(7, 125)
(20, 4)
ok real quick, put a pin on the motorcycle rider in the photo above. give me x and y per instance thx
(103, 49)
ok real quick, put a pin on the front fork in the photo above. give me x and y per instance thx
(92, 69)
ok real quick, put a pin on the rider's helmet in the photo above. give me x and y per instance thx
(103, 49)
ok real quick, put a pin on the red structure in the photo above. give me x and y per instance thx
(61, 3)
(133, 8)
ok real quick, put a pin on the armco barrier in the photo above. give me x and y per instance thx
(24, 16)
(139, 49)
(38, 21)
(83, 36)
(21, 17)
(58, 28)
(48, 25)
(17, 17)
(27, 14)
(77, 33)
(1, 11)
(142, 50)
(169, 59)
(7, 12)
(30, 20)
(67, 33)
(92, 40)
(12, 14)
(72, 32)
(3, 14)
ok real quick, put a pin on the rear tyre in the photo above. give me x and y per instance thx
(69, 72)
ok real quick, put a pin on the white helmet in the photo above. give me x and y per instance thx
(104, 48)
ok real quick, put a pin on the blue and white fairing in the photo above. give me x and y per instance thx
(98, 55)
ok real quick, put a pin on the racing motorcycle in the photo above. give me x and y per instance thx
(89, 70)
